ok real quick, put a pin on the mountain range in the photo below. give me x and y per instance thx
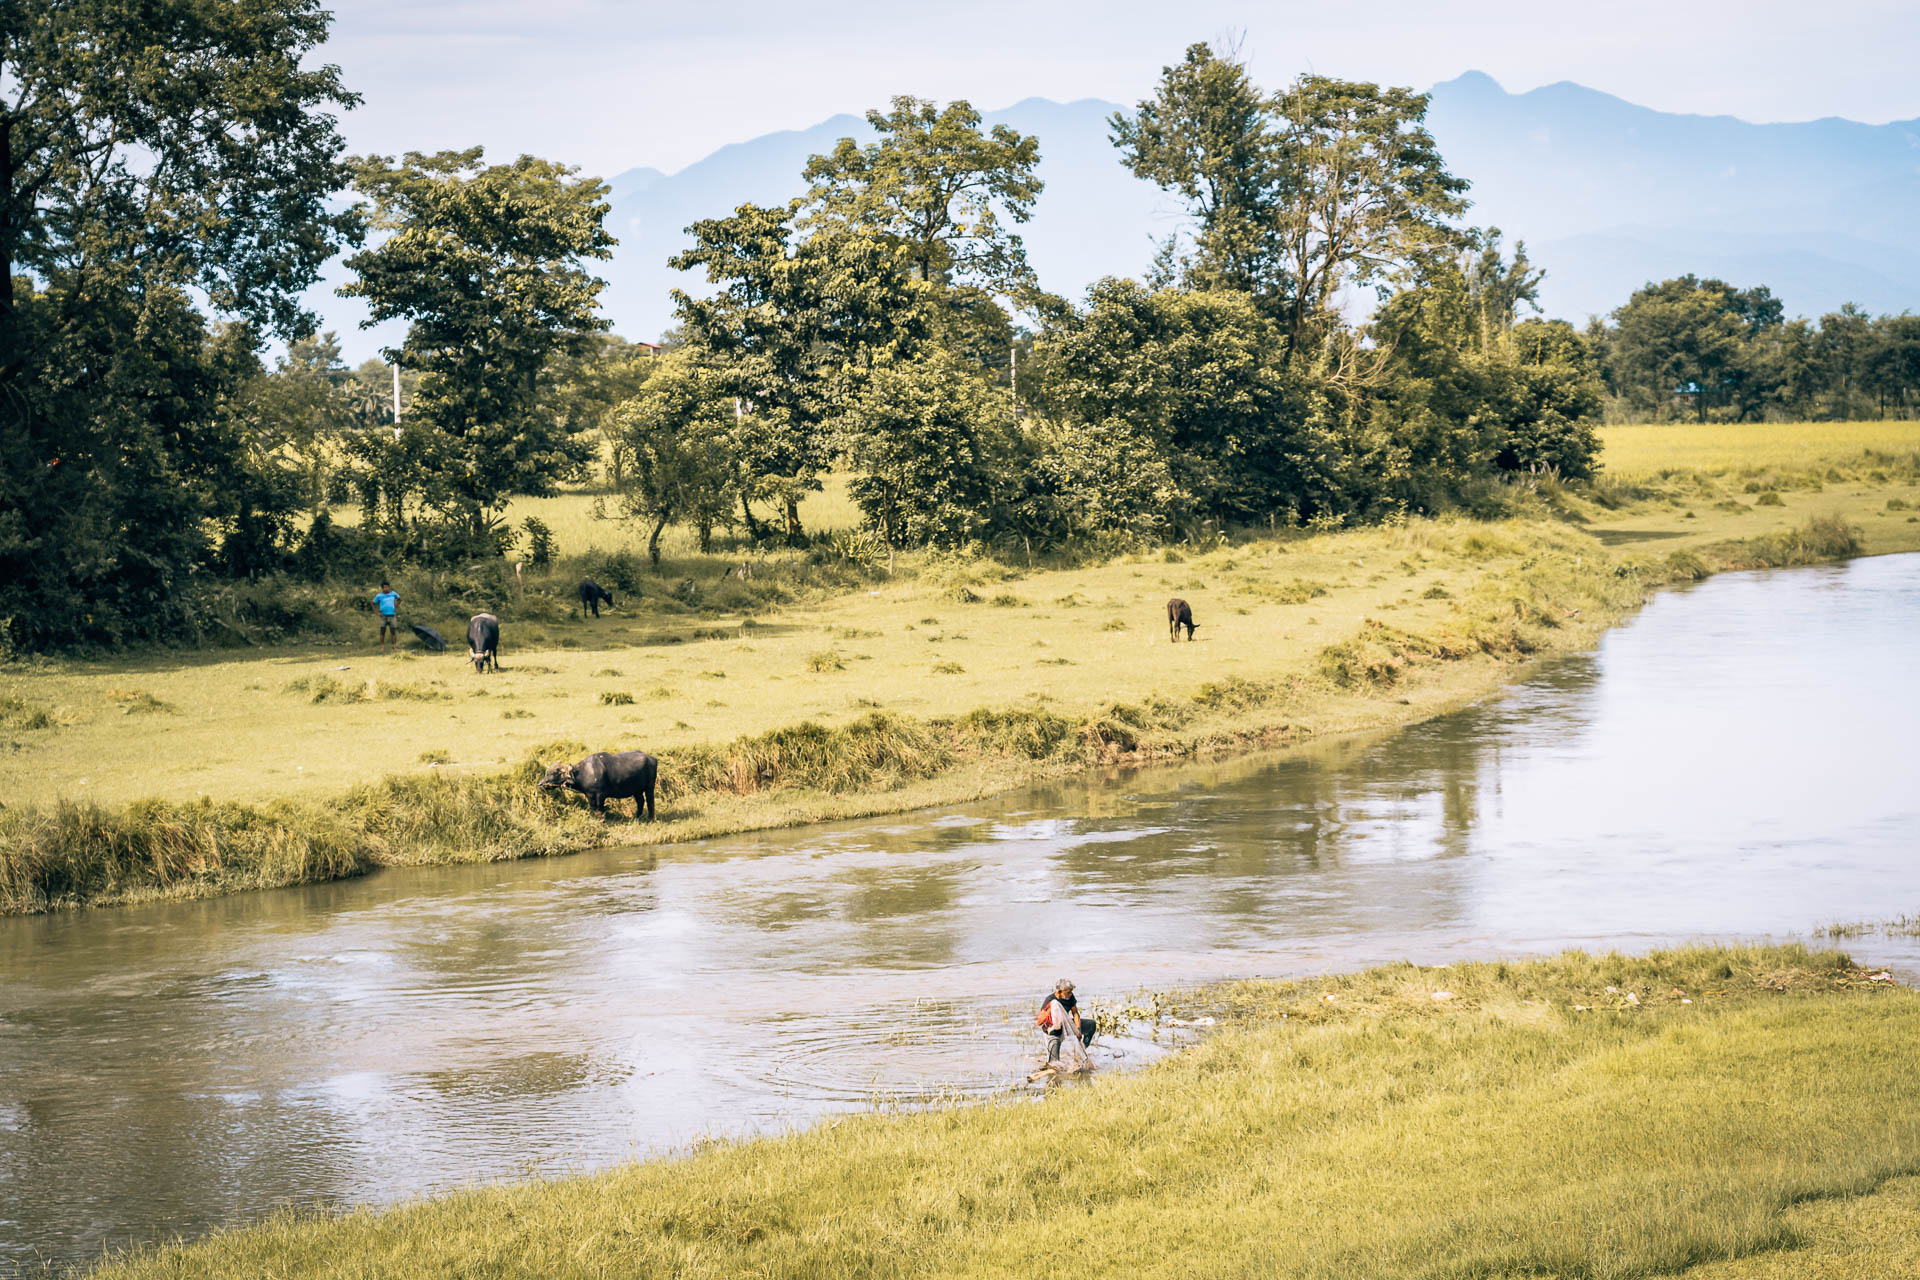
(1607, 195)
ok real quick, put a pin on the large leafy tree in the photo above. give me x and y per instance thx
(941, 185)
(796, 325)
(1205, 135)
(929, 441)
(1365, 197)
(674, 439)
(147, 151)
(1464, 387)
(1195, 379)
(1295, 196)
(487, 263)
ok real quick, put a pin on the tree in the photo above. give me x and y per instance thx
(939, 184)
(1365, 195)
(795, 327)
(486, 263)
(1464, 389)
(929, 443)
(673, 437)
(1205, 135)
(1691, 341)
(1890, 370)
(184, 139)
(1198, 379)
(582, 388)
(146, 151)
(1324, 185)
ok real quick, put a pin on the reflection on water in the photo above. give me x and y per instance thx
(1738, 760)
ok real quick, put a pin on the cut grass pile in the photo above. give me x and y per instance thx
(1533, 1122)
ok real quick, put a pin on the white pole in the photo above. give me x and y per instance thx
(396, 393)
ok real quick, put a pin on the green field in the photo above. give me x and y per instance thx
(831, 689)
(1716, 1112)
(1744, 448)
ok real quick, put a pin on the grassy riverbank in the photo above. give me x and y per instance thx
(1714, 1112)
(207, 772)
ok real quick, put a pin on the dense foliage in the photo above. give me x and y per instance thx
(148, 153)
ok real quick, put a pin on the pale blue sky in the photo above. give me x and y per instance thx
(611, 85)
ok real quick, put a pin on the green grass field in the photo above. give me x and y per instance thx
(1727, 448)
(947, 679)
(1716, 1112)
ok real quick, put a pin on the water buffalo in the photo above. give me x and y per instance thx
(483, 642)
(1178, 616)
(605, 776)
(592, 596)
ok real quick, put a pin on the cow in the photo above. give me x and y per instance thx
(592, 596)
(483, 642)
(608, 775)
(1178, 616)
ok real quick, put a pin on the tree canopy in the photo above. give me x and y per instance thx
(942, 186)
(486, 263)
(148, 152)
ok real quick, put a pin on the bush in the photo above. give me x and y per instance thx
(540, 544)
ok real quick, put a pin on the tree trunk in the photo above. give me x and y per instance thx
(706, 536)
(755, 529)
(653, 541)
(794, 533)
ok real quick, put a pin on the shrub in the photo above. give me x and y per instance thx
(16, 714)
(614, 698)
(824, 661)
(540, 546)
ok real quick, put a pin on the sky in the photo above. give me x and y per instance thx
(611, 86)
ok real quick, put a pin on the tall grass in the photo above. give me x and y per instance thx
(1535, 1123)
(73, 854)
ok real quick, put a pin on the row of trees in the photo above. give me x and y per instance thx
(1705, 349)
(870, 323)
(884, 321)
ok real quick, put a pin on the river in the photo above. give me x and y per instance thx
(1737, 760)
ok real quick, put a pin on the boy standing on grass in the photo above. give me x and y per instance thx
(388, 603)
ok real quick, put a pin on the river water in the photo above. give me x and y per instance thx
(1738, 760)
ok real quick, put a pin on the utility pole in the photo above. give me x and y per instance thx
(396, 402)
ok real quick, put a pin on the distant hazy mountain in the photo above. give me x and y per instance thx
(1609, 195)
(1606, 194)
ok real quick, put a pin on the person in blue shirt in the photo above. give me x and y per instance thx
(388, 603)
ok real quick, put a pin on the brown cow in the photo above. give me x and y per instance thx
(1178, 616)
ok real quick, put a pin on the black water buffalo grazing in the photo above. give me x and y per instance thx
(607, 775)
(483, 642)
(592, 596)
(1179, 615)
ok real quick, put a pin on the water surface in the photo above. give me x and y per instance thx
(1738, 760)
